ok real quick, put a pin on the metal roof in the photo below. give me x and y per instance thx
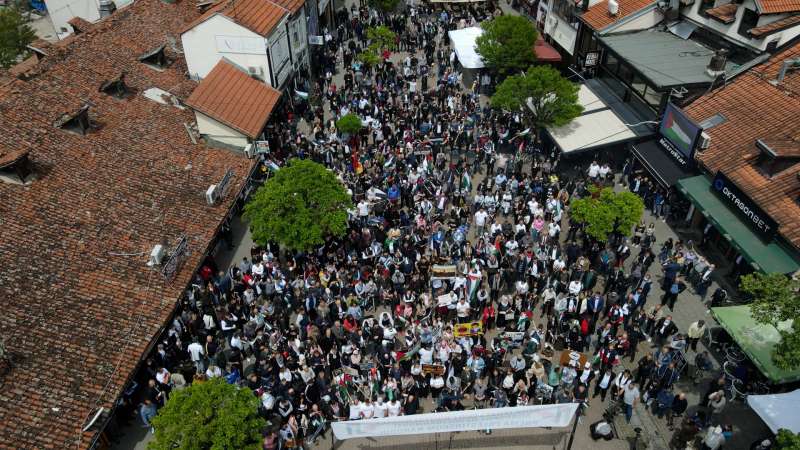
(665, 59)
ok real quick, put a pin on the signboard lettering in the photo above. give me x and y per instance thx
(745, 207)
(435, 369)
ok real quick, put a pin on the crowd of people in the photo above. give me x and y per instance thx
(448, 229)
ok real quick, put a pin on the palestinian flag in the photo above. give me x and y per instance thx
(466, 182)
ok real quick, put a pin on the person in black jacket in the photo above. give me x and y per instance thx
(679, 405)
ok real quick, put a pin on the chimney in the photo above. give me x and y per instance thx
(613, 7)
(107, 7)
(716, 66)
(787, 64)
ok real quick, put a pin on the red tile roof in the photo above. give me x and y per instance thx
(259, 16)
(598, 17)
(755, 108)
(725, 13)
(80, 307)
(233, 98)
(777, 6)
(778, 25)
(292, 5)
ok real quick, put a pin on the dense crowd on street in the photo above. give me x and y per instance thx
(459, 218)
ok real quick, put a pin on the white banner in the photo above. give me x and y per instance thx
(481, 419)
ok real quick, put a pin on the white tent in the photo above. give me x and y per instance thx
(777, 410)
(598, 125)
(463, 41)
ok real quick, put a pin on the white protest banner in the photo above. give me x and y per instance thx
(481, 419)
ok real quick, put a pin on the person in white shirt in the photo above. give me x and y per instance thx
(511, 246)
(575, 287)
(363, 211)
(496, 228)
(367, 410)
(425, 355)
(213, 371)
(604, 171)
(197, 353)
(381, 408)
(522, 287)
(355, 410)
(594, 170)
(462, 311)
(480, 221)
(394, 408)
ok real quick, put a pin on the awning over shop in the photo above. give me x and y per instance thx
(765, 257)
(545, 52)
(463, 42)
(756, 340)
(777, 410)
(663, 168)
(597, 126)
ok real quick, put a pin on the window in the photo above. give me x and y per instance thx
(612, 64)
(653, 98)
(749, 20)
(156, 58)
(76, 122)
(567, 10)
(625, 74)
(115, 87)
(711, 122)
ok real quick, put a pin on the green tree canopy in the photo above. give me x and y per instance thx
(507, 44)
(380, 38)
(210, 415)
(15, 35)
(776, 298)
(384, 5)
(299, 206)
(786, 440)
(606, 211)
(542, 95)
(349, 123)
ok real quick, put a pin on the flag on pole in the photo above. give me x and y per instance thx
(466, 182)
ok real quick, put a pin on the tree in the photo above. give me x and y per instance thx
(380, 38)
(384, 5)
(349, 123)
(542, 95)
(786, 440)
(507, 44)
(209, 415)
(15, 35)
(605, 212)
(299, 207)
(776, 299)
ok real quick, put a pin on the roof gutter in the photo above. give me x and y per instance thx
(627, 19)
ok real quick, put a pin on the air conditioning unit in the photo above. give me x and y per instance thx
(249, 151)
(613, 7)
(156, 255)
(211, 194)
(255, 71)
(704, 142)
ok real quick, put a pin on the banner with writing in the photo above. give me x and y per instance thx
(494, 419)
(468, 329)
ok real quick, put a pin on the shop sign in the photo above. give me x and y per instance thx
(591, 59)
(679, 135)
(745, 207)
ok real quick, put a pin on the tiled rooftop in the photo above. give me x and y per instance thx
(233, 98)
(80, 307)
(777, 6)
(756, 107)
(598, 17)
(258, 16)
(724, 13)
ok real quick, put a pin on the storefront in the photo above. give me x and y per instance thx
(669, 156)
(744, 227)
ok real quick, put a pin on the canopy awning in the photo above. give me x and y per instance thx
(663, 168)
(463, 42)
(777, 410)
(756, 340)
(768, 257)
(545, 52)
(597, 126)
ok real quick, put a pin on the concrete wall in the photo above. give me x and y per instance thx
(279, 54)
(298, 36)
(647, 20)
(730, 32)
(219, 132)
(62, 11)
(217, 37)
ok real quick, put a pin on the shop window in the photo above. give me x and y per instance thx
(639, 85)
(625, 74)
(749, 21)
